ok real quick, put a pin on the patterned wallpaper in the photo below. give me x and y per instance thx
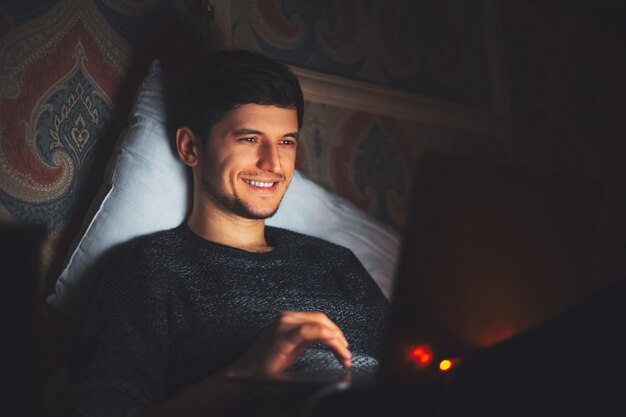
(430, 48)
(58, 76)
(68, 73)
(369, 158)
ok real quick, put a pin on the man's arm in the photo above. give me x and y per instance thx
(277, 347)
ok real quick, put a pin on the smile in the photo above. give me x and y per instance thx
(260, 184)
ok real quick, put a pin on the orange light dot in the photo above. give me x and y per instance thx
(421, 355)
(445, 364)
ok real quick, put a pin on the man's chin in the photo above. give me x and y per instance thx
(256, 214)
(247, 211)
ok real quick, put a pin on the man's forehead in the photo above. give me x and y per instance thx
(261, 118)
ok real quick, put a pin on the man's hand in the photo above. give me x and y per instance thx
(282, 341)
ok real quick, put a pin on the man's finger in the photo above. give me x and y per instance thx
(310, 332)
(296, 318)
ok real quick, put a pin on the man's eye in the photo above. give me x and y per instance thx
(288, 142)
(248, 139)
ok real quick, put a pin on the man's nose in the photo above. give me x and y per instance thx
(269, 157)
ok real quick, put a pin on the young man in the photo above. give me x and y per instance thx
(176, 313)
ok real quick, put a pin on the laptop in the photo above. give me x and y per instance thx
(489, 251)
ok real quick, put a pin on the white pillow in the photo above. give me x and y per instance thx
(146, 190)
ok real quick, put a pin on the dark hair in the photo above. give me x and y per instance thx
(231, 78)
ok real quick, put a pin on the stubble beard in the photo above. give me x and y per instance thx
(235, 206)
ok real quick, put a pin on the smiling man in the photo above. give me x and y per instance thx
(241, 172)
(177, 314)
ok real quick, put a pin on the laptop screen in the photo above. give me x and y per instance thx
(489, 251)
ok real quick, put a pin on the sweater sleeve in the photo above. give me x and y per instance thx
(121, 357)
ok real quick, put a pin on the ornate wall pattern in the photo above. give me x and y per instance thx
(61, 68)
(430, 48)
(372, 157)
(67, 78)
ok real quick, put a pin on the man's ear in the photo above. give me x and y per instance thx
(187, 146)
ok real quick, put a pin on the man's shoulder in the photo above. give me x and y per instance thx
(149, 245)
(140, 263)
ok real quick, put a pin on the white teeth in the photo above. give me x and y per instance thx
(260, 184)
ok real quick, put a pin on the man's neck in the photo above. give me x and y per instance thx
(228, 229)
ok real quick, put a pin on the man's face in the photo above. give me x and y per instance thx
(249, 160)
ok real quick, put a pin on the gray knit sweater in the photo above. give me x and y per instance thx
(172, 308)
